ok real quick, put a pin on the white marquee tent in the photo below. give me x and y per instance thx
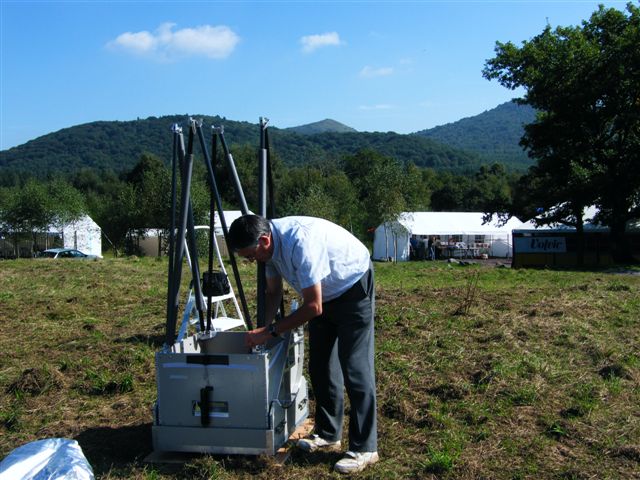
(84, 234)
(466, 227)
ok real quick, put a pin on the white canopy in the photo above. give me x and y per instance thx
(454, 223)
(392, 235)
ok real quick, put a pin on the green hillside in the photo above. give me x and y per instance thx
(323, 126)
(111, 145)
(423, 152)
(493, 135)
(117, 145)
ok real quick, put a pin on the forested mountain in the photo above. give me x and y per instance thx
(118, 145)
(108, 145)
(323, 126)
(423, 152)
(493, 135)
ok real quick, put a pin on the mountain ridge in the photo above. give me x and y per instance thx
(118, 145)
(323, 126)
(478, 133)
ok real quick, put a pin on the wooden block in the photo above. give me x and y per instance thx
(283, 454)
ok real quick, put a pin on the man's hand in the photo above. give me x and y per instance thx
(311, 307)
(258, 336)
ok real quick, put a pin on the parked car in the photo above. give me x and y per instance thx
(66, 253)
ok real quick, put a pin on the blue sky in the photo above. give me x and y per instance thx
(398, 66)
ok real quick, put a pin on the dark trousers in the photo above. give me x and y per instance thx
(341, 355)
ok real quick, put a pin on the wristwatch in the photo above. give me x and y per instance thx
(272, 330)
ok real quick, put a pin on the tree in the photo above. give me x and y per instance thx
(36, 206)
(325, 193)
(492, 186)
(315, 202)
(27, 212)
(245, 158)
(380, 184)
(67, 203)
(379, 181)
(585, 83)
(416, 192)
(449, 193)
(151, 181)
(117, 213)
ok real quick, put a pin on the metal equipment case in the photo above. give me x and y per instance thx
(215, 396)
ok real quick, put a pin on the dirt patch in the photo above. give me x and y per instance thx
(614, 371)
(632, 452)
(36, 381)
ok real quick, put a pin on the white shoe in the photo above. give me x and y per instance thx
(353, 462)
(316, 442)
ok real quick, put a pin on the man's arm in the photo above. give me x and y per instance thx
(273, 297)
(311, 307)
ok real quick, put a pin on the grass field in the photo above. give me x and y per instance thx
(483, 372)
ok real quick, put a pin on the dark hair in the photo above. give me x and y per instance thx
(245, 231)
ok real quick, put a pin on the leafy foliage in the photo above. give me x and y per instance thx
(35, 207)
(358, 192)
(405, 148)
(585, 82)
(113, 145)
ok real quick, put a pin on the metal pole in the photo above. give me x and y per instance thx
(191, 237)
(225, 230)
(271, 210)
(177, 134)
(262, 211)
(212, 232)
(195, 266)
(232, 170)
(177, 260)
(262, 169)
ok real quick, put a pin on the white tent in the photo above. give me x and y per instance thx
(84, 234)
(464, 227)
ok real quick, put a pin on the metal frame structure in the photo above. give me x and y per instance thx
(214, 394)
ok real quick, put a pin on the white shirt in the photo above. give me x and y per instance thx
(311, 250)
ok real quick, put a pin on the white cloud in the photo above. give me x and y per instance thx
(370, 72)
(168, 44)
(380, 106)
(139, 42)
(313, 42)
